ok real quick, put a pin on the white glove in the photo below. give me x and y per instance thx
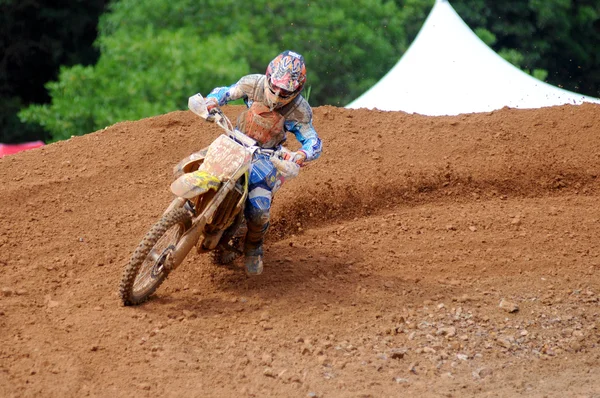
(296, 157)
(287, 168)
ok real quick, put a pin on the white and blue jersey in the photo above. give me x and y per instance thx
(297, 114)
(296, 118)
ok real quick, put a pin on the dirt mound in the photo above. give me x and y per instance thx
(441, 256)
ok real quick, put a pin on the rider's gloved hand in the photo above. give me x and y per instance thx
(212, 104)
(296, 157)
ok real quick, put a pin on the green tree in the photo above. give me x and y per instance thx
(155, 54)
(146, 74)
(554, 39)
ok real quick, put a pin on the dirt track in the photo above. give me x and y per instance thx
(385, 269)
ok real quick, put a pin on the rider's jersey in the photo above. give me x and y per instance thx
(269, 128)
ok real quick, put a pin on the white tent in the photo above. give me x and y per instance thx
(448, 70)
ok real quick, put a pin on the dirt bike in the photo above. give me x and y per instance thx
(211, 189)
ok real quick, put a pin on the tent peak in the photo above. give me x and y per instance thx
(448, 70)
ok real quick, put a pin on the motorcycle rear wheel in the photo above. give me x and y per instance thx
(152, 260)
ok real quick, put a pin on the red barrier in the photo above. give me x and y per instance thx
(9, 149)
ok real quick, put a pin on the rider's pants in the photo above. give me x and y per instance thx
(263, 184)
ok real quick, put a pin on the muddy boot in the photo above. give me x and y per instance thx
(254, 260)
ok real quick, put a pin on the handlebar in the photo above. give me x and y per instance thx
(289, 169)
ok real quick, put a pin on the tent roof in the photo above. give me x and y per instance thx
(448, 70)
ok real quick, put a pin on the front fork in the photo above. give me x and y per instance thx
(189, 238)
(192, 235)
(175, 204)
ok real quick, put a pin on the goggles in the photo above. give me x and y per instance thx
(280, 92)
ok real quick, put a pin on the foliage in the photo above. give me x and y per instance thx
(12, 130)
(137, 76)
(155, 54)
(347, 49)
(554, 38)
(36, 38)
(485, 36)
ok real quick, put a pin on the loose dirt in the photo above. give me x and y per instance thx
(419, 256)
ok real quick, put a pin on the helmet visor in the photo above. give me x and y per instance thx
(278, 91)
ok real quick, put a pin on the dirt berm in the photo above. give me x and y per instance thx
(419, 256)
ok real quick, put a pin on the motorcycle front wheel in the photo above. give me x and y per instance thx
(152, 260)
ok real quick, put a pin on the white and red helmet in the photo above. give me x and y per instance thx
(286, 75)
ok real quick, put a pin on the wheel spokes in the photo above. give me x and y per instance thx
(154, 264)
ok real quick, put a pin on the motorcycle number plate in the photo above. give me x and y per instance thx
(225, 158)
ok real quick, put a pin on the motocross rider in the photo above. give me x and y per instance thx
(275, 107)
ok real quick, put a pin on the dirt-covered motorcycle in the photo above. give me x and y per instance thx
(211, 188)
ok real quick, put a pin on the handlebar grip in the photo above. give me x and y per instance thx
(287, 168)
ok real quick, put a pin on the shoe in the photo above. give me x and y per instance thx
(254, 261)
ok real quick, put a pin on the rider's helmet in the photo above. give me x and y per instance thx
(286, 75)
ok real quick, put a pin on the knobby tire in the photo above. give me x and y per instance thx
(150, 266)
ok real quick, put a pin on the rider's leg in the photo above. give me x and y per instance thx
(258, 224)
(262, 182)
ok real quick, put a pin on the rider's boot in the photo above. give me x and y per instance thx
(254, 259)
(257, 222)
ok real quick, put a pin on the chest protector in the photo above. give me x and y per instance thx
(262, 124)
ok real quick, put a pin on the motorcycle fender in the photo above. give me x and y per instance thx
(193, 184)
